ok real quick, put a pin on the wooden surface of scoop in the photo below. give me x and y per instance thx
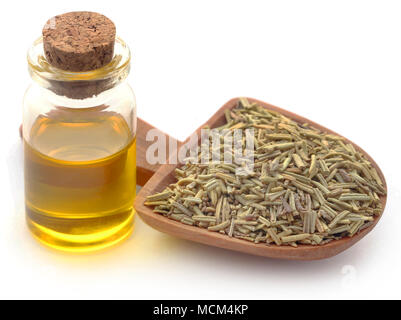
(145, 170)
(165, 176)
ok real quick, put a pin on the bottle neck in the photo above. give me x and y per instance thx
(79, 85)
(101, 98)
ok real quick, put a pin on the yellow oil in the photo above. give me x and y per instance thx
(80, 179)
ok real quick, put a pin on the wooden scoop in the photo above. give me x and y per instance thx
(164, 175)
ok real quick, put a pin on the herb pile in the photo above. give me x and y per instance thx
(306, 186)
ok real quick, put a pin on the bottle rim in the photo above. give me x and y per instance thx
(41, 69)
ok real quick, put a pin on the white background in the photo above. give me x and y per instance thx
(335, 62)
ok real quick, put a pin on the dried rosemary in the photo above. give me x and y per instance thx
(306, 187)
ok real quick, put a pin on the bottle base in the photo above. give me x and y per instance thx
(81, 243)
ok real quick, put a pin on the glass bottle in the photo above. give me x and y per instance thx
(79, 131)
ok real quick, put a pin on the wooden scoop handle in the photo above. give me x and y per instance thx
(144, 170)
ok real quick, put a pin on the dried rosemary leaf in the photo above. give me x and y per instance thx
(274, 236)
(297, 237)
(220, 226)
(159, 196)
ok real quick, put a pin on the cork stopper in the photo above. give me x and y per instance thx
(79, 41)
